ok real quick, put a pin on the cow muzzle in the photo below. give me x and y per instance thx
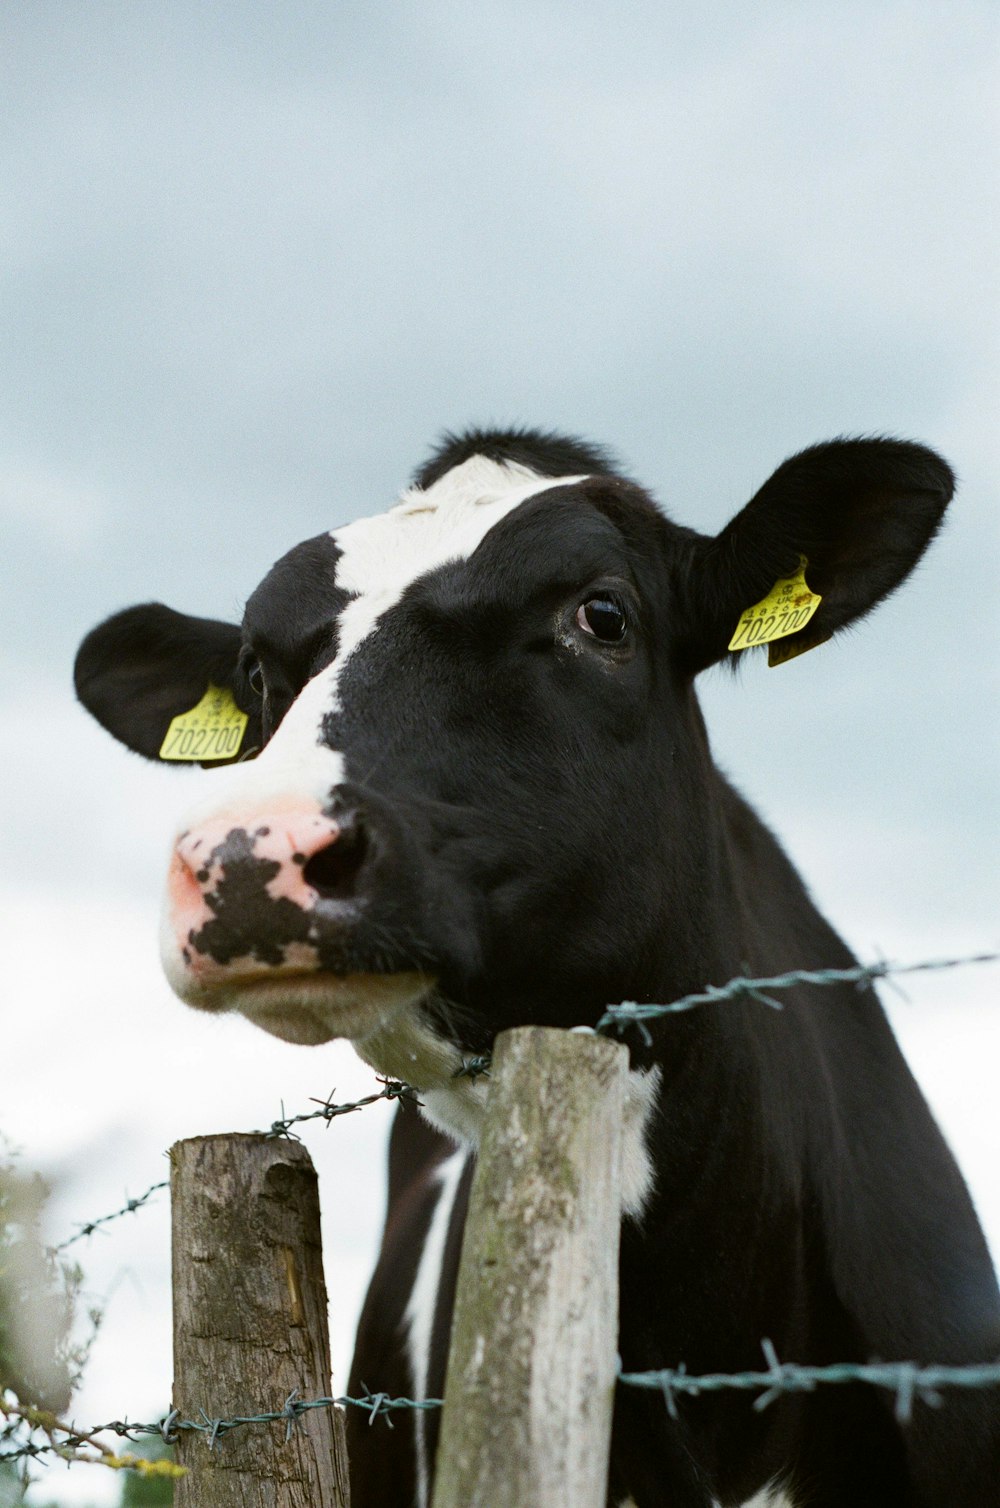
(262, 913)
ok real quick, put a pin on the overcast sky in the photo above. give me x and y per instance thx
(256, 257)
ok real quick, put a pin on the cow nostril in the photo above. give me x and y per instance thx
(333, 871)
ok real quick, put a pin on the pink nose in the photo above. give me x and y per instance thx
(288, 838)
(247, 862)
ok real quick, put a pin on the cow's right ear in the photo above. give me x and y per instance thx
(146, 666)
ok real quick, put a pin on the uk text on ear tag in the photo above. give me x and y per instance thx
(212, 730)
(785, 610)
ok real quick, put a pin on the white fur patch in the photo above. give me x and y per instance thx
(384, 555)
(380, 557)
(420, 1311)
(294, 762)
(405, 1046)
(638, 1174)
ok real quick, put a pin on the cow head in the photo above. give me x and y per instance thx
(481, 792)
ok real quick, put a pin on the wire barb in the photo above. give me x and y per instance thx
(475, 1068)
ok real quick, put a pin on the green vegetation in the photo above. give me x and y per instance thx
(143, 1491)
(40, 1360)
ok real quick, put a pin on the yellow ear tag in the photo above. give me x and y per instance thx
(787, 608)
(212, 730)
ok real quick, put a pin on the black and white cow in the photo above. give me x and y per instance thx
(484, 797)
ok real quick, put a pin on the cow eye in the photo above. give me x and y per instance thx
(603, 618)
(256, 678)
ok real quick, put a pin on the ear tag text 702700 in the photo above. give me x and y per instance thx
(785, 610)
(213, 729)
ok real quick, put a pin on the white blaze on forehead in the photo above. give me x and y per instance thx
(380, 557)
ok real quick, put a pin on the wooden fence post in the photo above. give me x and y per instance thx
(250, 1325)
(531, 1373)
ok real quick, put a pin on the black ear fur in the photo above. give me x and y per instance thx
(139, 669)
(862, 512)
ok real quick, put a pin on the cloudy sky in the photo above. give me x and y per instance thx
(256, 257)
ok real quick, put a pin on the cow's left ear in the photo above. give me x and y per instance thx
(861, 513)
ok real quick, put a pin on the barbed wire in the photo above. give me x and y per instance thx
(128, 1208)
(392, 1089)
(906, 1379)
(75, 1445)
(72, 1438)
(615, 1018)
(634, 1013)
(377, 1404)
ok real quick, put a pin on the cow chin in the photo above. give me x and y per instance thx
(303, 1005)
(315, 1008)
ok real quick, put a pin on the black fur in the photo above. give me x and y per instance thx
(547, 453)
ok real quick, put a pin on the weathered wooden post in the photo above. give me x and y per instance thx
(531, 1373)
(250, 1325)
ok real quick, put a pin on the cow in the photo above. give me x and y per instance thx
(472, 789)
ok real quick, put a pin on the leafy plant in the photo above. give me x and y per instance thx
(39, 1361)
